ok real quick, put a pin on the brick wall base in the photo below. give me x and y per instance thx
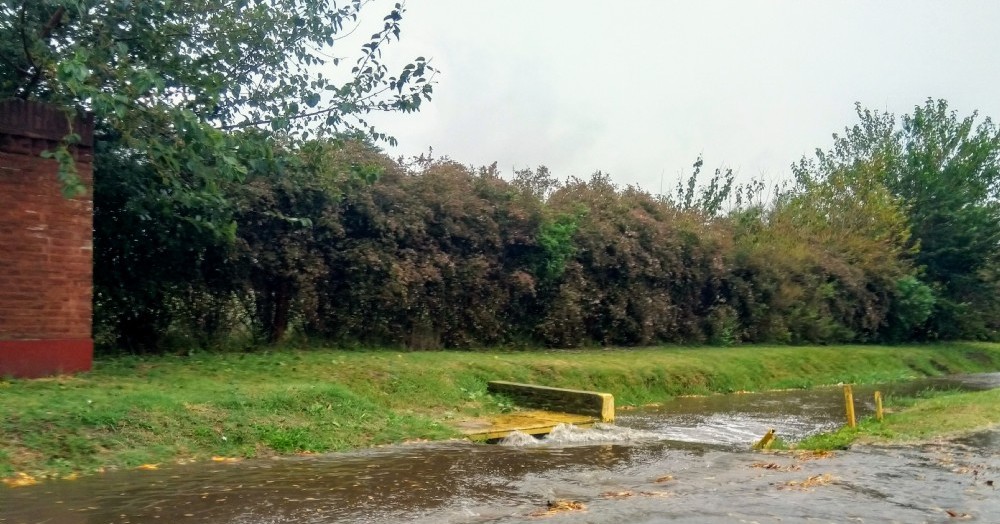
(46, 245)
(42, 358)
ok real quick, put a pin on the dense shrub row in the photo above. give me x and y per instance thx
(441, 255)
(334, 240)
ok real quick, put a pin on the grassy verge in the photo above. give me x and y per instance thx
(938, 414)
(132, 411)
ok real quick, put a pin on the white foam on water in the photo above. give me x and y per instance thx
(736, 428)
(570, 434)
(518, 439)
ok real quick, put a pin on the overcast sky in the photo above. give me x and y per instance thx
(641, 88)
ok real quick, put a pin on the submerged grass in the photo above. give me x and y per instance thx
(133, 411)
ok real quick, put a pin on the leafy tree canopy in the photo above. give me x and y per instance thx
(944, 170)
(172, 82)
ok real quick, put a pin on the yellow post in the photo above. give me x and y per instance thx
(765, 443)
(878, 406)
(849, 404)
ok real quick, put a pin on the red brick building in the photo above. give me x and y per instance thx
(46, 246)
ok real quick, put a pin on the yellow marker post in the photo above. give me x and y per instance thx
(766, 441)
(878, 406)
(849, 405)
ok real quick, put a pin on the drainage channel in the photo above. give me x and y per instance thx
(683, 462)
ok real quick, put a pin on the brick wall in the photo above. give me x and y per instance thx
(45, 246)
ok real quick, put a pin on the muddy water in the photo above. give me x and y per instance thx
(741, 418)
(685, 461)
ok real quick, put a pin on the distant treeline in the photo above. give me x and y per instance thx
(891, 235)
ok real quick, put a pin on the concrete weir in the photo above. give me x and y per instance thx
(554, 406)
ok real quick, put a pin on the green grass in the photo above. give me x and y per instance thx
(131, 411)
(933, 415)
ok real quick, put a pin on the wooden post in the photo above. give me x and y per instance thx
(849, 404)
(878, 406)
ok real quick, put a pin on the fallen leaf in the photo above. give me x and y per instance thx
(814, 455)
(558, 506)
(776, 467)
(811, 482)
(665, 478)
(20, 480)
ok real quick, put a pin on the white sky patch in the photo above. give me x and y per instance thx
(639, 88)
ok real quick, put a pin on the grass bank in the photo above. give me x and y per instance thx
(133, 411)
(934, 415)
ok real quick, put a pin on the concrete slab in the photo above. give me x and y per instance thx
(595, 404)
(534, 422)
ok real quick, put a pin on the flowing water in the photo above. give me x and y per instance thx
(685, 461)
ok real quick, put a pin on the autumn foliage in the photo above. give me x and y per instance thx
(349, 246)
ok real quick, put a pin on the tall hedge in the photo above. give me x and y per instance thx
(335, 241)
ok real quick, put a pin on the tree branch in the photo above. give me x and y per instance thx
(53, 22)
(36, 75)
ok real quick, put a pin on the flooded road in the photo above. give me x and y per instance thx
(683, 462)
